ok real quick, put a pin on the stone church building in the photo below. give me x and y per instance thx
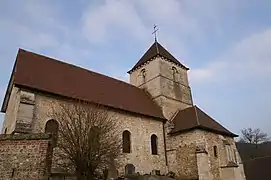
(165, 129)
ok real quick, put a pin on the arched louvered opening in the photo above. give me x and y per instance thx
(175, 73)
(143, 74)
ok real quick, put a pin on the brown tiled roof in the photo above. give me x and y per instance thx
(155, 50)
(258, 169)
(194, 118)
(49, 75)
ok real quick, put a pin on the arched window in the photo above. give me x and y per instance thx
(143, 74)
(51, 126)
(215, 151)
(154, 144)
(174, 69)
(129, 169)
(6, 129)
(126, 142)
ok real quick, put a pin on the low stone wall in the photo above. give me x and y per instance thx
(25, 156)
(147, 177)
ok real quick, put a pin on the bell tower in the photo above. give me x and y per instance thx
(164, 78)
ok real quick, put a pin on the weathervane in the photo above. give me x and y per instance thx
(155, 29)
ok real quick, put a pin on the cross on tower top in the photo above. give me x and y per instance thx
(155, 29)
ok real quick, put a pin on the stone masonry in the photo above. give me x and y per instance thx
(192, 154)
(24, 156)
(169, 88)
(140, 127)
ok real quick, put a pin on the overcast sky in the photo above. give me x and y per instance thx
(226, 44)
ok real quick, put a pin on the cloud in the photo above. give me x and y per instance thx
(170, 15)
(32, 26)
(246, 60)
(235, 86)
(117, 72)
(29, 37)
(136, 18)
(100, 23)
(181, 23)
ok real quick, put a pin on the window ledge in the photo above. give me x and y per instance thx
(230, 164)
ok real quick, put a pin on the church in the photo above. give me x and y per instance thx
(166, 131)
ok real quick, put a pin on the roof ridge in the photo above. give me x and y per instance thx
(157, 47)
(174, 115)
(76, 66)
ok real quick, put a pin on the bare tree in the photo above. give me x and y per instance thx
(88, 138)
(253, 136)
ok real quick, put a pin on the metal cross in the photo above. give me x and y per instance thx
(154, 32)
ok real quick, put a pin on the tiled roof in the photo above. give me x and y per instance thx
(194, 118)
(156, 49)
(45, 74)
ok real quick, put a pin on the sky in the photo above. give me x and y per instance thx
(226, 45)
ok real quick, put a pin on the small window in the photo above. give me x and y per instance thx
(143, 73)
(154, 144)
(6, 130)
(174, 69)
(215, 151)
(175, 73)
(129, 169)
(126, 142)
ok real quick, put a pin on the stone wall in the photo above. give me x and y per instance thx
(226, 160)
(19, 112)
(187, 162)
(169, 90)
(215, 168)
(202, 165)
(152, 70)
(24, 156)
(11, 111)
(141, 129)
(181, 152)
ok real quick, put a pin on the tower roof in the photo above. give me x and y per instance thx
(157, 49)
(194, 118)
